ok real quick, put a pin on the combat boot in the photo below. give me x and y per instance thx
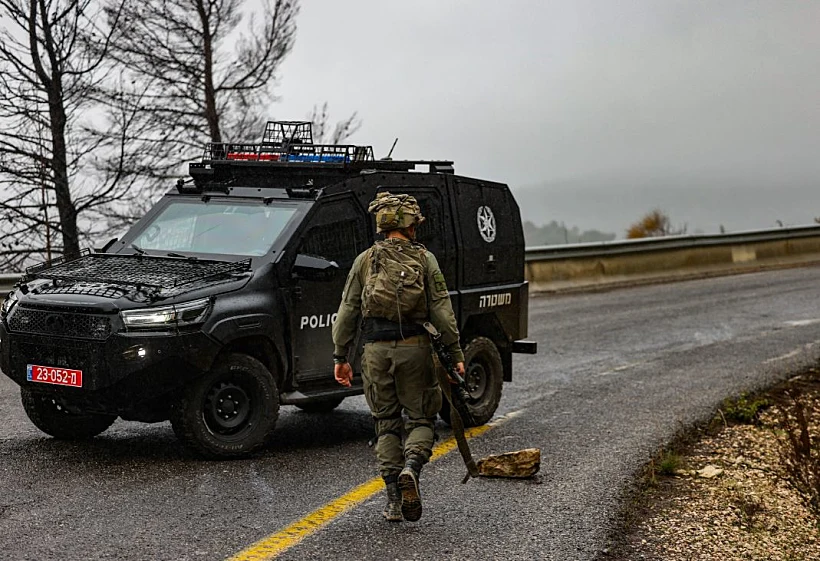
(409, 487)
(392, 510)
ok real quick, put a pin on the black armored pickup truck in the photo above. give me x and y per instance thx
(216, 307)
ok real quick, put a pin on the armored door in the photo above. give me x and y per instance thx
(336, 231)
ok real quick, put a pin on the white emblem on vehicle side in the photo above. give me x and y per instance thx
(486, 223)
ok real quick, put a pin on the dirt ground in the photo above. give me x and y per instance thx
(725, 492)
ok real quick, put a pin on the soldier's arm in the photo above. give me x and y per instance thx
(347, 318)
(441, 309)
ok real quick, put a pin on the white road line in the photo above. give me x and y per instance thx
(621, 368)
(783, 357)
(802, 322)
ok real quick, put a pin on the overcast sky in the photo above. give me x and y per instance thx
(581, 99)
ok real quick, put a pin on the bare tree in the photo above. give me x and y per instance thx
(343, 129)
(52, 59)
(103, 101)
(206, 67)
(198, 71)
(191, 71)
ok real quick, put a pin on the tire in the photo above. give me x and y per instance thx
(54, 419)
(484, 375)
(230, 411)
(323, 406)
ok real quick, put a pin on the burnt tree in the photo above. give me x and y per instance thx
(52, 59)
(205, 67)
(199, 71)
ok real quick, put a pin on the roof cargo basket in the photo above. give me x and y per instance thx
(289, 142)
(282, 133)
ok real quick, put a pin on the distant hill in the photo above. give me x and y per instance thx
(555, 234)
(702, 203)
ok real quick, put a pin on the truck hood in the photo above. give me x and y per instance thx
(105, 282)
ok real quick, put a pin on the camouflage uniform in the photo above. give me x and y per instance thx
(397, 370)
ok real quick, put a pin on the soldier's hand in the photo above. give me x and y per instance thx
(343, 374)
(460, 368)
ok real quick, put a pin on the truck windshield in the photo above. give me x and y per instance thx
(215, 227)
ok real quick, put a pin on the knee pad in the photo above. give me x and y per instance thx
(388, 425)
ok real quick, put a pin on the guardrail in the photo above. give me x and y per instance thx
(551, 268)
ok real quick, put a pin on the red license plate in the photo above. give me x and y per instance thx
(55, 375)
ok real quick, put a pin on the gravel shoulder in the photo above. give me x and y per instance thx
(724, 492)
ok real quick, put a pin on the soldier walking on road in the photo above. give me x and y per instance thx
(395, 286)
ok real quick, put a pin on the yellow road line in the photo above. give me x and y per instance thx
(271, 546)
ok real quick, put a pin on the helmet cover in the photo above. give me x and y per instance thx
(395, 212)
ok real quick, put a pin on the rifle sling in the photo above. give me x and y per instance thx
(458, 427)
(455, 418)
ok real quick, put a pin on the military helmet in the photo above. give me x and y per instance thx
(394, 212)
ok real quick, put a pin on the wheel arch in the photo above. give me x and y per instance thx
(262, 349)
(489, 326)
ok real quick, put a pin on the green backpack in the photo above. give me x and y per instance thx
(394, 282)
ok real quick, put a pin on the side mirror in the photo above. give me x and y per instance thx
(107, 246)
(309, 267)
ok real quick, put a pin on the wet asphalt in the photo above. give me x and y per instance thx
(617, 374)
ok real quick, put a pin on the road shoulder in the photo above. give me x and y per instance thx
(729, 490)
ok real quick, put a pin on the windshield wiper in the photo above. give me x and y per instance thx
(138, 249)
(174, 254)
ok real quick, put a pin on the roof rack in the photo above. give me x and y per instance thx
(289, 142)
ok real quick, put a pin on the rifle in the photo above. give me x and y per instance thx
(460, 394)
(457, 396)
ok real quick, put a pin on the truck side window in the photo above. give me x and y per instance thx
(429, 233)
(336, 233)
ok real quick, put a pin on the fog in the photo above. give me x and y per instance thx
(594, 112)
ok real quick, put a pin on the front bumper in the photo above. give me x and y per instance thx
(119, 372)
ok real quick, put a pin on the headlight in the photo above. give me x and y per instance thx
(179, 315)
(8, 304)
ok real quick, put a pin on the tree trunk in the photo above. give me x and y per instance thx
(53, 85)
(211, 114)
(59, 168)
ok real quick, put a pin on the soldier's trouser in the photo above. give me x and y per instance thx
(399, 375)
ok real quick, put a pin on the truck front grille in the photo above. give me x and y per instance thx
(60, 324)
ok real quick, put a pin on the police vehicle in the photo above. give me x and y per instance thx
(216, 307)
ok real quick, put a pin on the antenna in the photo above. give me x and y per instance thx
(391, 150)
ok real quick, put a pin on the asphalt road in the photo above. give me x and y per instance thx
(617, 374)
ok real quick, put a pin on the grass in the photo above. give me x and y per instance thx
(670, 462)
(744, 409)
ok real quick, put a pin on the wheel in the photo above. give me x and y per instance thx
(51, 417)
(230, 411)
(323, 406)
(484, 375)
